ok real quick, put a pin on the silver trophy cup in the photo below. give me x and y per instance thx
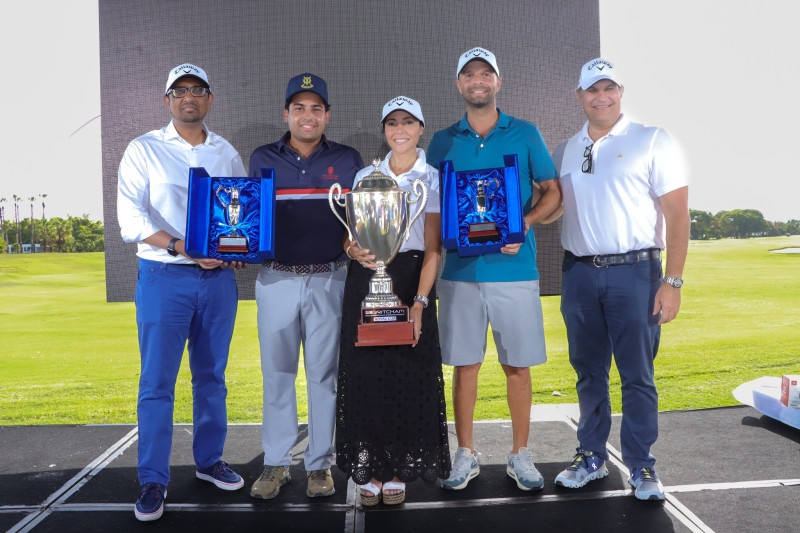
(233, 242)
(378, 219)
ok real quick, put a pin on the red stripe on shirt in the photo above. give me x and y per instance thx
(306, 191)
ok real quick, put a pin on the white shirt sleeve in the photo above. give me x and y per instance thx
(133, 196)
(668, 171)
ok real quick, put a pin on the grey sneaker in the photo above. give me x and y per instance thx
(521, 469)
(465, 468)
(646, 485)
(585, 467)
(269, 483)
(320, 483)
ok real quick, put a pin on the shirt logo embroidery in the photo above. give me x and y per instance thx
(307, 83)
(330, 175)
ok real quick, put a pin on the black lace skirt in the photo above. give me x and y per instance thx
(390, 409)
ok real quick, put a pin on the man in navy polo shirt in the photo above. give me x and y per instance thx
(501, 289)
(299, 294)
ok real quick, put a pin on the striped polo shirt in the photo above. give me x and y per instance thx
(306, 230)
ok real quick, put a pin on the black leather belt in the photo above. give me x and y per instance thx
(628, 258)
(305, 269)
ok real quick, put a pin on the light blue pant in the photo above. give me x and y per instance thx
(174, 304)
(293, 310)
(609, 310)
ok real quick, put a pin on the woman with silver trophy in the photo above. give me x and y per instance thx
(391, 425)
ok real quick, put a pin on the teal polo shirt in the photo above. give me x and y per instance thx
(468, 151)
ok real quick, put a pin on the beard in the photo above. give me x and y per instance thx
(479, 102)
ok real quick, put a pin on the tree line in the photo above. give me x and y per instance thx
(81, 234)
(73, 234)
(738, 224)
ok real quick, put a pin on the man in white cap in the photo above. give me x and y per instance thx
(178, 298)
(499, 288)
(625, 198)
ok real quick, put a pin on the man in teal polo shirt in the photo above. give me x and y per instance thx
(501, 289)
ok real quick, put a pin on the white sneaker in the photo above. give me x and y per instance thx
(646, 485)
(465, 468)
(521, 469)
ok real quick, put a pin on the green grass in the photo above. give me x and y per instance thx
(69, 357)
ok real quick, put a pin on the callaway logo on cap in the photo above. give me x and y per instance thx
(187, 69)
(480, 54)
(596, 70)
(408, 105)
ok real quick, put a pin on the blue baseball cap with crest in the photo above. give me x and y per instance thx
(310, 83)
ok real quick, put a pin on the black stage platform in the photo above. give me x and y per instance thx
(726, 470)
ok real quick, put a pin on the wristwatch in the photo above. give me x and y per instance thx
(675, 282)
(421, 299)
(171, 247)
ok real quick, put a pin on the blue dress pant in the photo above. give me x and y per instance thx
(607, 311)
(176, 303)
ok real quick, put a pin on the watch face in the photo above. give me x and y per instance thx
(675, 282)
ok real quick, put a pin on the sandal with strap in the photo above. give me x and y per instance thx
(375, 494)
(394, 499)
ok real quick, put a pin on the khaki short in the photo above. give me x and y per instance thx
(514, 310)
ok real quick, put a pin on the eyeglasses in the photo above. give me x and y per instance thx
(180, 92)
(587, 164)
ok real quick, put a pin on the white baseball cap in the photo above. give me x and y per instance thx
(596, 70)
(403, 103)
(186, 69)
(477, 53)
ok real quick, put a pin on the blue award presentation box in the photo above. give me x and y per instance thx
(481, 209)
(232, 219)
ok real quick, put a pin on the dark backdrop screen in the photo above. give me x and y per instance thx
(367, 51)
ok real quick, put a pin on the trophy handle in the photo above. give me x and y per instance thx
(497, 182)
(418, 184)
(340, 203)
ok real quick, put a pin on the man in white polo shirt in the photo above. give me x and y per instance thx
(625, 198)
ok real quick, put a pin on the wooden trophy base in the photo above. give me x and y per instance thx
(232, 245)
(483, 232)
(385, 326)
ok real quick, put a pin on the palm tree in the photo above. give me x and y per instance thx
(33, 232)
(43, 196)
(16, 219)
(3, 220)
(61, 232)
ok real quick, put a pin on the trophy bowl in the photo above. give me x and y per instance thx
(377, 211)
